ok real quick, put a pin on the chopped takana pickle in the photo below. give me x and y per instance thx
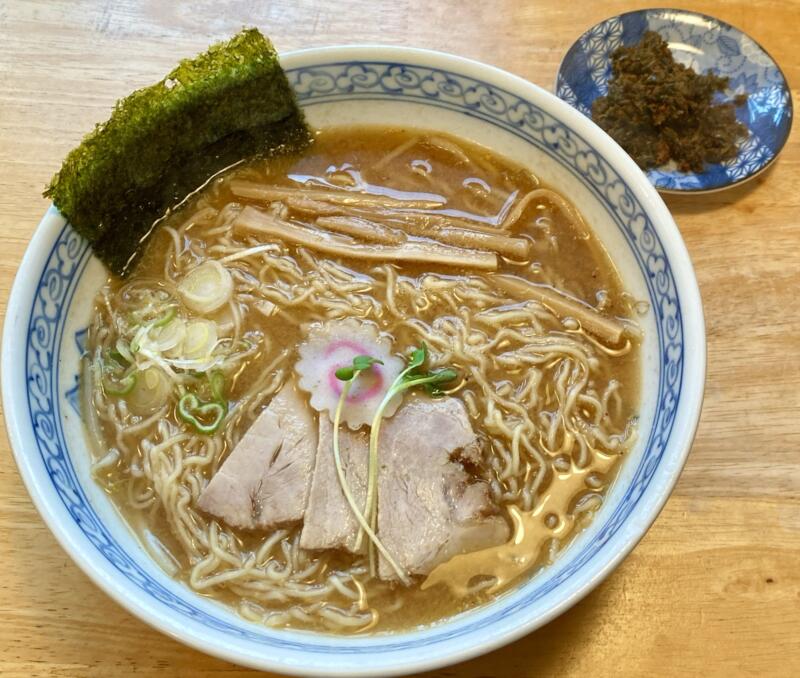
(659, 110)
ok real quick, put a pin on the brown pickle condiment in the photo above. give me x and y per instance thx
(659, 110)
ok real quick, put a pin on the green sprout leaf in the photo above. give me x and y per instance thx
(360, 363)
(417, 358)
(345, 373)
(337, 458)
(412, 376)
(364, 362)
(435, 380)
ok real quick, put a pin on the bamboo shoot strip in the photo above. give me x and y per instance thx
(608, 329)
(362, 228)
(253, 220)
(502, 243)
(419, 218)
(435, 218)
(516, 248)
(316, 208)
(317, 203)
(248, 189)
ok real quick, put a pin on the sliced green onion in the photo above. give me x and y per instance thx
(216, 382)
(125, 351)
(168, 338)
(205, 417)
(136, 341)
(151, 391)
(121, 387)
(200, 339)
(143, 334)
(170, 313)
(115, 356)
(206, 288)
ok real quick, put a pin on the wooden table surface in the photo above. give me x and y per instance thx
(714, 587)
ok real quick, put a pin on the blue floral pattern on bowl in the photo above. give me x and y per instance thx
(702, 43)
(325, 84)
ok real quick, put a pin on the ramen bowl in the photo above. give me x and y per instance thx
(52, 301)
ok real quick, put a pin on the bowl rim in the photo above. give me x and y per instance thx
(685, 423)
(719, 22)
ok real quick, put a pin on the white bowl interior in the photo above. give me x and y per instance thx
(623, 210)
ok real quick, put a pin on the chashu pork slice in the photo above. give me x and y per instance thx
(329, 522)
(265, 481)
(429, 507)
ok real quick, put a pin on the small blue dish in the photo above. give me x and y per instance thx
(702, 43)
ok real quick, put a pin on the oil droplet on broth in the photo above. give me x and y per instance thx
(550, 519)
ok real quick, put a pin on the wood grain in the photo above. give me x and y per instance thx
(712, 590)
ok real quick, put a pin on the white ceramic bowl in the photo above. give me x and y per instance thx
(51, 302)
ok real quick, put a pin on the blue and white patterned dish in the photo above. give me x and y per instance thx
(52, 299)
(702, 43)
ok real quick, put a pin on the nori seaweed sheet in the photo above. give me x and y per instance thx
(163, 141)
